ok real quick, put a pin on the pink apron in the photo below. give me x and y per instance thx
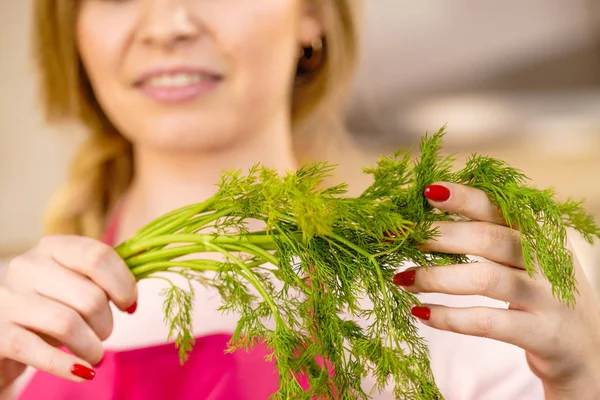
(155, 373)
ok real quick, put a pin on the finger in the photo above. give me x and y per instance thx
(484, 279)
(495, 242)
(27, 348)
(55, 320)
(97, 261)
(515, 327)
(9, 371)
(469, 202)
(79, 293)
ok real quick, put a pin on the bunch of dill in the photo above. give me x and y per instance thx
(315, 285)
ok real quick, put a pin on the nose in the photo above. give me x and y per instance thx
(166, 23)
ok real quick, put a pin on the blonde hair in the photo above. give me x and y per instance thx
(102, 169)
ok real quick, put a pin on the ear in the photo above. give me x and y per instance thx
(311, 25)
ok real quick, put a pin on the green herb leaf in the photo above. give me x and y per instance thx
(320, 270)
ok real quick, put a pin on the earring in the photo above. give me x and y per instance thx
(316, 45)
(311, 57)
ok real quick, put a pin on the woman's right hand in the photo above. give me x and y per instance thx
(58, 294)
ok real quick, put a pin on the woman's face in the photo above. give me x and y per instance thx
(193, 74)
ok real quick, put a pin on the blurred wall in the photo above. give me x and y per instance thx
(412, 47)
(32, 158)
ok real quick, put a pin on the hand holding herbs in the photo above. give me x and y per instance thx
(58, 294)
(300, 284)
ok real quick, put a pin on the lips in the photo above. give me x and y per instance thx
(176, 85)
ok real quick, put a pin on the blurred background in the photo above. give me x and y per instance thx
(512, 79)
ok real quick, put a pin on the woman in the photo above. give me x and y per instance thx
(174, 91)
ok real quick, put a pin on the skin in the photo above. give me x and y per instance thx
(59, 292)
(561, 342)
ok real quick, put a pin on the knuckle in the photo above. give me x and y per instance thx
(451, 323)
(13, 344)
(488, 237)
(64, 324)
(49, 241)
(46, 241)
(524, 287)
(425, 280)
(51, 364)
(97, 256)
(23, 270)
(484, 323)
(464, 203)
(19, 263)
(94, 302)
(486, 280)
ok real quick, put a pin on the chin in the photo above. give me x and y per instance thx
(187, 136)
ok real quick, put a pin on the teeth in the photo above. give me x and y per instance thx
(177, 80)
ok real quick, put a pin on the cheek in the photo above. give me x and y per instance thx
(260, 43)
(101, 39)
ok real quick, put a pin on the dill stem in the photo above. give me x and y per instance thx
(250, 277)
(260, 252)
(197, 223)
(173, 219)
(386, 299)
(196, 265)
(162, 254)
(162, 278)
(130, 249)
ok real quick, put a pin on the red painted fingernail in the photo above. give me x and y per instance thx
(405, 278)
(437, 193)
(392, 234)
(83, 372)
(421, 312)
(132, 308)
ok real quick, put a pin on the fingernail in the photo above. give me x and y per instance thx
(392, 234)
(132, 308)
(421, 312)
(405, 278)
(437, 193)
(82, 371)
(389, 237)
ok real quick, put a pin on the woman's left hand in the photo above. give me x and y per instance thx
(562, 342)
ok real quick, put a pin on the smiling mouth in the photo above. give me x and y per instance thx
(177, 86)
(176, 80)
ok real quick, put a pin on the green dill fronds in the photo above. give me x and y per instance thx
(575, 217)
(541, 219)
(177, 309)
(315, 284)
